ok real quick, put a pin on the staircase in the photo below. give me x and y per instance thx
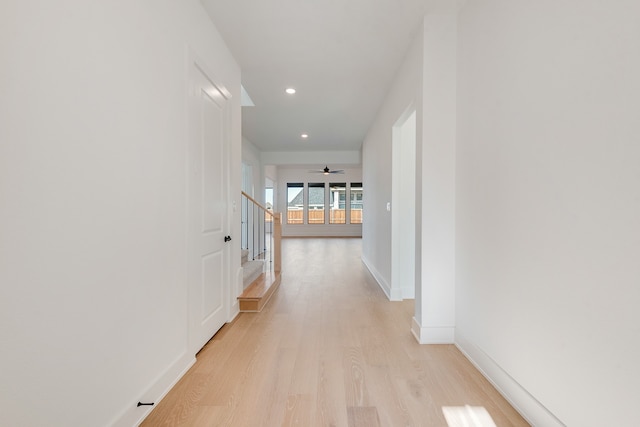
(261, 233)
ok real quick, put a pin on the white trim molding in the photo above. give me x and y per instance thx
(431, 334)
(526, 404)
(156, 392)
(392, 294)
(408, 292)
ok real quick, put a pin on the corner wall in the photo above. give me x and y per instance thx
(406, 92)
(93, 295)
(548, 201)
(426, 82)
(251, 156)
(434, 320)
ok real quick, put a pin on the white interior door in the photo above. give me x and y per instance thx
(208, 208)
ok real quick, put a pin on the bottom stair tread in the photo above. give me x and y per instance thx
(258, 293)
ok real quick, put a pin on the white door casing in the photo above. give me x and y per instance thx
(403, 202)
(207, 206)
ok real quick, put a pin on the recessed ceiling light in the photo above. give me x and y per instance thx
(304, 136)
(290, 90)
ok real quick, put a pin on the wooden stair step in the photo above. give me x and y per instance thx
(250, 272)
(258, 293)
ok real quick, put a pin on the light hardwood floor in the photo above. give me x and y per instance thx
(329, 349)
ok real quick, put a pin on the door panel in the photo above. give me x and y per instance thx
(212, 298)
(208, 181)
(213, 184)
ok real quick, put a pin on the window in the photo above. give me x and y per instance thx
(316, 203)
(356, 202)
(337, 201)
(295, 203)
(322, 203)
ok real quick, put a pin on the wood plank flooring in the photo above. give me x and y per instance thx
(328, 350)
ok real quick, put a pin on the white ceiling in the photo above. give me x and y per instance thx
(340, 56)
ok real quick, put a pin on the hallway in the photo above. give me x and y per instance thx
(328, 350)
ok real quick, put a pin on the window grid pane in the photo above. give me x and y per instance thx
(337, 200)
(315, 213)
(356, 203)
(295, 203)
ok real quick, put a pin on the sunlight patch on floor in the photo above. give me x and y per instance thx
(467, 416)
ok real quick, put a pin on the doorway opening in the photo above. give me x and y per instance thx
(403, 200)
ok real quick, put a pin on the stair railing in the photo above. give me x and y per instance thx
(261, 232)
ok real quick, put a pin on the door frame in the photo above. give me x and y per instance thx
(403, 201)
(196, 64)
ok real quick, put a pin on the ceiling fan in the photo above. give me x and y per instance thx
(327, 171)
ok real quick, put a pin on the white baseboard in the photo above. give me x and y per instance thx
(134, 415)
(432, 335)
(238, 288)
(395, 295)
(235, 310)
(408, 293)
(392, 294)
(526, 404)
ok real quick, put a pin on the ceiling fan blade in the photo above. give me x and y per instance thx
(327, 171)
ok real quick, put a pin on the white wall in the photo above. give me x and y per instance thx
(544, 136)
(425, 82)
(302, 174)
(548, 202)
(297, 158)
(251, 156)
(405, 92)
(93, 290)
(434, 320)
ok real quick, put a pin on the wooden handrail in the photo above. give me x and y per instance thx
(255, 202)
